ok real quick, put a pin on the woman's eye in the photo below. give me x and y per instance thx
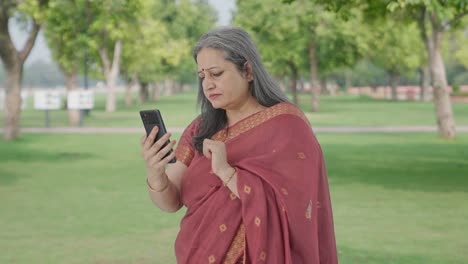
(217, 74)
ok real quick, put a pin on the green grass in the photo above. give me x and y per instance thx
(397, 198)
(364, 111)
(180, 109)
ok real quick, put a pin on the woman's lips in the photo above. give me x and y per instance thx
(214, 96)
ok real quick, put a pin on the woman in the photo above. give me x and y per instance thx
(249, 169)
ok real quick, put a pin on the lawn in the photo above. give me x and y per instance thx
(180, 109)
(397, 198)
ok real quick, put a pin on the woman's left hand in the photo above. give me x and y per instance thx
(216, 151)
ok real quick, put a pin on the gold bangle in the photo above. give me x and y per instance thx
(161, 190)
(225, 183)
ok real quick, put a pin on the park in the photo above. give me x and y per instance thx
(72, 179)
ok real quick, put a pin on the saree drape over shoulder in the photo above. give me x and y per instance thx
(284, 211)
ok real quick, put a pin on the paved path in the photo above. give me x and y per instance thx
(140, 130)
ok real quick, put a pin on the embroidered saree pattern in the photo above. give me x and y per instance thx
(283, 214)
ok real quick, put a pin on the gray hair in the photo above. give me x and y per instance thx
(238, 48)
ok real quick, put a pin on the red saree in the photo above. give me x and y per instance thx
(284, 212)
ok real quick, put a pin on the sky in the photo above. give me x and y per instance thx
(42, 52)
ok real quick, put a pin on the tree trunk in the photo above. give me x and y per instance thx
(111, 72)
(168, 87)
(13, 61)
(425, 83)
(70, 84)
(177, 87)
(156, 93)
(347, 82)
(315, 89)
(394, 80)
(293, 81)
(144, 92)
(131, 83)
(11, 115)
(443, 105)
(323, 86)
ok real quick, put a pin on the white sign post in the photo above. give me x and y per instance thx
(80, 100)
(47, 100)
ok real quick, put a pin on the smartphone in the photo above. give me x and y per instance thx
(152, 118)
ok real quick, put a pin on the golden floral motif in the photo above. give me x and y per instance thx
(211, 259)
(232, 196)
(308, 213)
(247, 189)
(284, 191)
(263, 256)
(301, 155)
(258, 221)
(222, 228)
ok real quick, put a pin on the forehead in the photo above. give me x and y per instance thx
(209, 57)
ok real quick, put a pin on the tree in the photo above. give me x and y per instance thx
(395, 47)
(435, 18)
(33, 13)
(64, 31)
(146, 47)
(109, 24)
(186, 21)
(304, 37)
(278, 38)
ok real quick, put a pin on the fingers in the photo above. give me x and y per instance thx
(159, 159)
(160, 143)
(207, 148)
(143, 139)
(151, 137)
(150, 148)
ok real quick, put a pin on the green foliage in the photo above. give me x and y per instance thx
(35, 9)
(284, 33)
(66, 34)
(160, 46)
(396, 47)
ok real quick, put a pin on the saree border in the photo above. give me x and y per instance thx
(257, 119)
(236, 249)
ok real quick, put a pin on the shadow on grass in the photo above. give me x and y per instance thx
(17, 154)
(358, 256)
(420, 167)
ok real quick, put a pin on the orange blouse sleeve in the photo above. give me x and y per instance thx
(185, 150)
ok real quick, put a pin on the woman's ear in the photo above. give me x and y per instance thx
(248, 71)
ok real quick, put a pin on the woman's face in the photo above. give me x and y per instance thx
(223, 85)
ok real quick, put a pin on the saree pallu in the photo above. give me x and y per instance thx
(283, 214)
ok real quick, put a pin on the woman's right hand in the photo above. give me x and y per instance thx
(153, 154)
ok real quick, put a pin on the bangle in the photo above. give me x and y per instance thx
(225, 183)
(160, 190)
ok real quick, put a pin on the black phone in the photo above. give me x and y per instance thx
(152, 118)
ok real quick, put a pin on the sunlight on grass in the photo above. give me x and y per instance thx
(397, 198)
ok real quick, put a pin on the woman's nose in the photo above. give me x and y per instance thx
(208, 84)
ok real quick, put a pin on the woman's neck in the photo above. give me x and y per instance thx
(250, 107)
